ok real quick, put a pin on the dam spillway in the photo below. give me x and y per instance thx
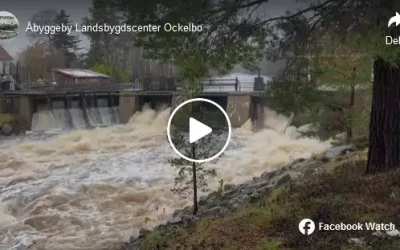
(43, 111)
(87, 106)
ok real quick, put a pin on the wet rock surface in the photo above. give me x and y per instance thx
(233, 197)
(6, 129)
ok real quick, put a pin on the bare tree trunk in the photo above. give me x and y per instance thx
(349, 130)
(195, 207)
(384, 136)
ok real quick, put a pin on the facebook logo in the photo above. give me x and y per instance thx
(306, 226)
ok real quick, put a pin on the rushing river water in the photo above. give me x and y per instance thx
(93, 189)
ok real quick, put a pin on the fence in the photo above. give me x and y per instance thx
(164, 84)
(231, 85)
(93, 87)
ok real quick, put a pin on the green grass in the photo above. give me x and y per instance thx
(340, 193)
(6, 118)
(270, 244)
(152, 241)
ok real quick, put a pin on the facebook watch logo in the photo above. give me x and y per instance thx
(306, 226)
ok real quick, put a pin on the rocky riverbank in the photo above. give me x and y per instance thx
(232, 198)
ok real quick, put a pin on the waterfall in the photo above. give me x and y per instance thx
(74, 118)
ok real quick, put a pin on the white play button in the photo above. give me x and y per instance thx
(190, 138)
(197, 130)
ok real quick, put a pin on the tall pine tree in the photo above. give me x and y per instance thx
(237, 29)
(64, 42)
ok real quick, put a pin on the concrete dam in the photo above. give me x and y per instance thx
(82, 108)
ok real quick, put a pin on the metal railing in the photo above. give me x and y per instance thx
(211, 85)
(226, 85)
(92, 87)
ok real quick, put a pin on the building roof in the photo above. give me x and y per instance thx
(81, 73)
(4, 56)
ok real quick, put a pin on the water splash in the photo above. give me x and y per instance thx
(74, 118)
(93, 189)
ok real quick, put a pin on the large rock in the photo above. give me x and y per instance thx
(298, 163)
(295, 175)
(6, 129)
(212, 212)
(254, 196)
(228, 187)
(231, 193)
(143, 232)
(356, 241)
(308, 172)
(184, 220)
(203, 200)
(180, 212)
(336, 151)
(259, 185)
(239, 200)
(282, 179)
(269, 174)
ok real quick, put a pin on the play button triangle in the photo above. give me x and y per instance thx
(197, 130)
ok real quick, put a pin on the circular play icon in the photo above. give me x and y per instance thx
(199, 130)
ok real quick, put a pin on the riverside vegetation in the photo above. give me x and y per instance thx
(264, 213)
(7, 123)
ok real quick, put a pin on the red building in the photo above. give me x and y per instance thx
(79, 76)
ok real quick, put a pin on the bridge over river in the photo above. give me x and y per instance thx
(242, 100)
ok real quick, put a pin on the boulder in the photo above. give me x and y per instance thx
(239, 200)
(242, 186)
(259, 185)
(180, 212)
(228, 187)
(387, 234)
(175, 220)
(264, 189)
(184, 220)
(143, 232)
(223, 203)
(268, 174)
(356, 241)
(393, 233)
(224, 212)
(336, 151)
(6, 129)
(308, 172)
(234, 206)
(295, 175)
(212, 212)
(298, 163)
(254, 197)
(282, 179)
(188, 219)
(203, 200)
(177, 213)
(231, 193)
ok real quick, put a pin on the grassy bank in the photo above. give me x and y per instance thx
(6, 118)
(341, 192)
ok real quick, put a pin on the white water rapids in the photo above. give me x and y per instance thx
(74, 117)
(93, 189)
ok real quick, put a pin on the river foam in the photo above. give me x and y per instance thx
(93, 189)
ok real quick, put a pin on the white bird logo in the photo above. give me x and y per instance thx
(395, 19)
